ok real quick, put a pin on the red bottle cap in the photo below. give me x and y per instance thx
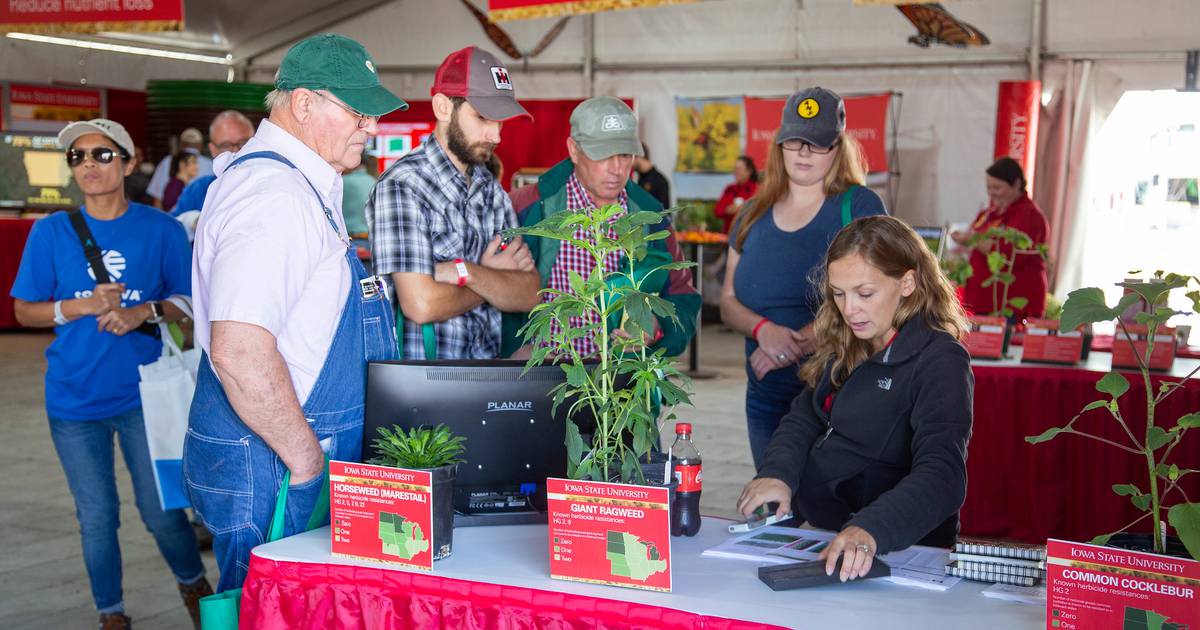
(683, 428)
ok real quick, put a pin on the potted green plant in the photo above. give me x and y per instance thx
(983, 341)
(433, 449)
(623, 384)
(1155, 439)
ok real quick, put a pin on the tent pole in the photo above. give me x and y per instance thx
(589, 55)
(1035, 41)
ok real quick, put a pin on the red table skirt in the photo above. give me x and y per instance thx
(13, 234)
(1061, 488)
(301, 596)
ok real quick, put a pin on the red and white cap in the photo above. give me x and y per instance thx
(476, 75)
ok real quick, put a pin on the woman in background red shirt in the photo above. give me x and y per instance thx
(745, 184)
(1010, 207)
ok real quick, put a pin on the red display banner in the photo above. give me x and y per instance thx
(48, 108)
(90, 16)
(396, 139)
(502, 10)
(610, 533)
(1089, 586)
(866, 120)
(381, 513)
(986, 338)
(1161, 359)
(1044, 343)
(1017, 110)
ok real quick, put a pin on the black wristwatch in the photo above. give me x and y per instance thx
(156, 312)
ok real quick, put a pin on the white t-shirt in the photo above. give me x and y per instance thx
(266, 255)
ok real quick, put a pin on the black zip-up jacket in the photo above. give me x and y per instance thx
(891, 456)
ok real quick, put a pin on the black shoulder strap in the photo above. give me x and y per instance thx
(95, 259)
(91, 250)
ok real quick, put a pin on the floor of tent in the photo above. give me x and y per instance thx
(42, 579)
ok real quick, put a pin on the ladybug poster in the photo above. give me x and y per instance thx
(610, 533)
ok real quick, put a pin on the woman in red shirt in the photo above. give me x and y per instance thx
(1010, 206)
(745, 184)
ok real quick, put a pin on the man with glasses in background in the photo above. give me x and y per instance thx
(285, 313)
(227, 133)
(435, 218)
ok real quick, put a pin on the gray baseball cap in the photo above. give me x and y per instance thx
(111, 129)
(476, 75)
(604, 126)
(814, 115)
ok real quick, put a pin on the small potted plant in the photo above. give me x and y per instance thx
(626, 383)
(982, 340)
(433, 449)
(1155, 440)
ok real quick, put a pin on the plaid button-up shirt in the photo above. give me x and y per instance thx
(423, 212)
(571, 258)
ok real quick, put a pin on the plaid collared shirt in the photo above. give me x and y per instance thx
(422, 212)
(571, 258)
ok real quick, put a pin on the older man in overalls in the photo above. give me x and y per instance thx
(285, 313)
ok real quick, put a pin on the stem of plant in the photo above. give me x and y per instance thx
(1151, 464)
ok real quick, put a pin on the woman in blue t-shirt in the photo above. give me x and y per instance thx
(101, 338)
(813, 186)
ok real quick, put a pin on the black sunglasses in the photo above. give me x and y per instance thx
(102, 155)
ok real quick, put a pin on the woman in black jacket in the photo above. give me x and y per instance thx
(875, 446)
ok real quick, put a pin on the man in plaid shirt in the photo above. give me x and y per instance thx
(602, 145)
(435, 216)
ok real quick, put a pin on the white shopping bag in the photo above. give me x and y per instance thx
(167, 386)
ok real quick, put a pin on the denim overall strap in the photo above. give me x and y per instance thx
(233, 477)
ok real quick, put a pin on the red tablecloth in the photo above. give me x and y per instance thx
(13, 233)
(299, 596)
(1062, 488)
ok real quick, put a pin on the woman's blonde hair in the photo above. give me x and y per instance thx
(849, 168)
(888, 244)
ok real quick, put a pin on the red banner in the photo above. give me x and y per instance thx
(1017, 110)
(42, 108)
(501, 10)
(866, 120)
(90, 16)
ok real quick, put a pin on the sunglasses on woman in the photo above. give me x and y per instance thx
(102, 155)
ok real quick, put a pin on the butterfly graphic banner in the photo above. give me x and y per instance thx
(504, 10)
(55, 16)
(866, 120)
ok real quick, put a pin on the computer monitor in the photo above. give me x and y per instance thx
(34, 174)
(513, 444)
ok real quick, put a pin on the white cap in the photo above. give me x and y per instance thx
(191, 135)
(103, 126)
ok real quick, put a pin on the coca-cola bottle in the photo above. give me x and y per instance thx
(685, 511)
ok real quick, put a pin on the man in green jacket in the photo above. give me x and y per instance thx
(603, 142)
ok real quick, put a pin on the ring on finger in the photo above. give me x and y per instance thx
(782, 356)
(865, 548)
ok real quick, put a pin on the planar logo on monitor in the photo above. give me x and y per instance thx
(509, 405)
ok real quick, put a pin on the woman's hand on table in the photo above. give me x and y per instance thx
(762, 491)
(778, 343)
(857, 547)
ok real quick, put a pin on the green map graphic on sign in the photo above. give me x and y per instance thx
(633, 558)
(401, 537)
(1138, 619)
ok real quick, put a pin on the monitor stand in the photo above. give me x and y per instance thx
(482, 519)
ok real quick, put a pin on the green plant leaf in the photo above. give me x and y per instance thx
(1173, 472)
(575, 443)
(1114, 384)
(1101, 540)
(1141, 501)
(1185, 518)
(1087, 306)
(1190, 421)
(1095, 404)
(1019, 302)
(996, 261)
(1126, 489)
(1047, 435)
(1194, 296)
(1158, 438)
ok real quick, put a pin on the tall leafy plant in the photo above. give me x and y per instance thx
(1156, 441)
(618, 386)
(1000, 265)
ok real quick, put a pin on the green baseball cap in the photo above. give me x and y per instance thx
(342, 66)
(604, 126)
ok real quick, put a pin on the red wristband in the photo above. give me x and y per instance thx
(757, 327)
(461, 267)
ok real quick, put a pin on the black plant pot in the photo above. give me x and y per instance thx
(443, 509)
(652, 471)
(1145, 543)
